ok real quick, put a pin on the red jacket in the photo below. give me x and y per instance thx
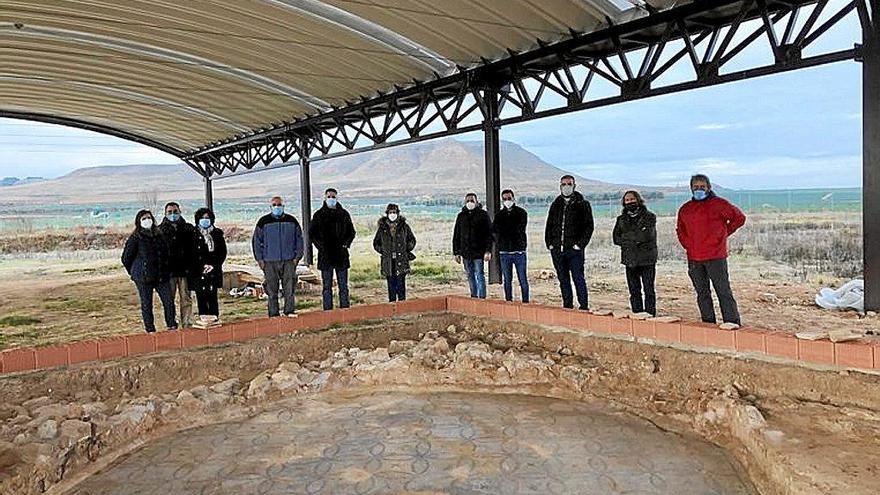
(703, 227)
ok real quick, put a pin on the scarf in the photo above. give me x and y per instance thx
(206, 235)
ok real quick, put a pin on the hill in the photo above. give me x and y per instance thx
(436, 169)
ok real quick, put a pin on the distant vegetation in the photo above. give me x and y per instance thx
(596, 197)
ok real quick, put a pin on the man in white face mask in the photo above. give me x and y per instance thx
(472, 243)
(509, 227)
(568, 231)
(332, 232)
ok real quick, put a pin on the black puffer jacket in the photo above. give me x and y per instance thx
(509, 228)
(198, 280)
(332, 232)
(145, 257)
(394, 241)
(179, 236)
(637, 238)
(569, 223)
(472, 237)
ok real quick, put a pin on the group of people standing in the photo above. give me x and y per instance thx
(175, 257)
(704, 223)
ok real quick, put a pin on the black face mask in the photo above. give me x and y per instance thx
(631, 208)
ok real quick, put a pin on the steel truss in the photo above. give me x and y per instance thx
(704, 37)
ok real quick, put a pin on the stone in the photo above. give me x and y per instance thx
(396, 347)
(640, 316)
(259, 386)
(451, 329)
(285, 380)
(842, 335)
(376, 356)
(94, 408)
(38, 402)
(75, 431)
(474, 355)
(134, 415)
(768, 297)
(289, 366)
(226, 387)
(812, 335)
(48, 429)
(185, 395)
(51, 411)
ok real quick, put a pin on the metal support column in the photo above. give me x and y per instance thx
(305, 185)
(209, 194)
(871, 158)
(493, 173)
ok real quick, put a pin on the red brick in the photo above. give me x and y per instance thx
(333, 317)
(782, 344)
(168, 341)
(418, 306)
(244, 330)
(220, 335)
(721, 339)
(544, 315)
(378, 311)
(694, 333)
(284, 324)
(876, 346)
(668, 332)
(621, 326)
(269, 327)
(461, 304)
(562, 317)
(141, 343)
(580, 320)
(453, 304)
(352, 315)
(80, 352)
(112, 348)
(310, 320)
(751, 340)
(481, 307)
(496, 309)
(603, 324)
(435, 304)
(1, 363)
(19, 360)
(511, 311)
(816, 351)
(194, 337)
(854, 354)
(528, 313)
(644, 329)
(51, 356)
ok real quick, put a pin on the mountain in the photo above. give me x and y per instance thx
(437, 169)
(15, 181)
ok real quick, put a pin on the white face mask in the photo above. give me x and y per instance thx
(147, 223)
(470, 205)
(508, 203)
(567, 190)
(392, 217)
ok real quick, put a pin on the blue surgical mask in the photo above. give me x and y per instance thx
(173, 217)
(331, 202)
(278, 211)
(204, 223)
(700, 194)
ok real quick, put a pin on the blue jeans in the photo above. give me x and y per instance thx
(341, 281)
(508, 262)
(397, 288)
(145, 291)
(476, 277)
(569, 265)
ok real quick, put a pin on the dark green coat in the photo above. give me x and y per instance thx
(637, 238)
(394, 247)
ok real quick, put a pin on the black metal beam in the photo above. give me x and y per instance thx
(305, 185)
(555, 79)
(871, 155)
(492, 164)
(209, 194)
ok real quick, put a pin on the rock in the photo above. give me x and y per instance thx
(48, 429)
(38, 402)
(640, 316)
(185, 395)
(565, 351)
(376, 356)
(51, 411)
(199, 391)
(451, 329)
(134, 415)
(812, 335)
(75, 431)
(285, 380)
(768, 297)
(320, 381)
(259, 386)
(94, 408)
(75, 411)
(84, 396)
(754, 418)
(226, 387)
(396, 347)
(842, 335)
(289, 366)
(474, 355)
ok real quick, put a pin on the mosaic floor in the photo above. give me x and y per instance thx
(436, 443)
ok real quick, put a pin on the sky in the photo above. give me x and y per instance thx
(799, 129)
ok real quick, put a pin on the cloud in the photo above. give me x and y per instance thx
(718, 127)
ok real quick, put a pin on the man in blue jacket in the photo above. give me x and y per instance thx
(278, 247)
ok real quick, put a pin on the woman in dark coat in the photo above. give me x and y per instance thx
(209, 253)
(395, 242)
(146, 259)
(636, 234)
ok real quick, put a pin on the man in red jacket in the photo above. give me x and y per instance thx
(704, 223)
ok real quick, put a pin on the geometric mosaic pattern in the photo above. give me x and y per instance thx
(437, 443)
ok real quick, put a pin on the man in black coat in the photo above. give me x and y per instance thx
(179, 236)
(568, 232)
(472, 243)
(509, 227)
(332, 232)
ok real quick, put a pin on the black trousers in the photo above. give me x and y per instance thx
(638, 279)
(207, 301)
(715, 271)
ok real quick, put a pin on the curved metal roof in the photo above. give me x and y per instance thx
(182, 75)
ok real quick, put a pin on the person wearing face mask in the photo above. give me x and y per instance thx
(509, 227)
(278, 246)
(472, 243)
(178, 234)
(704, 224)
(395, 241)
(332, 232)
(567, 233)
(636, 234)
(206, 275)
(146, 259)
